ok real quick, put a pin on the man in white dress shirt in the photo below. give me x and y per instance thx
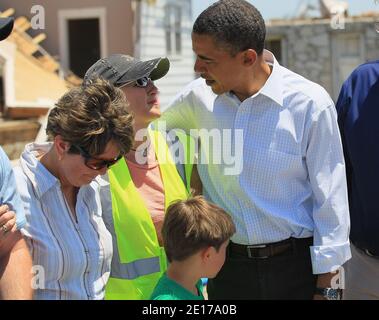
(287, 194)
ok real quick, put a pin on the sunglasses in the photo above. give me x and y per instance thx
(140, 83)
(91, 162)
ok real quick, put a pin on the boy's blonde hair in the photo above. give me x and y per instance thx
(193, 224)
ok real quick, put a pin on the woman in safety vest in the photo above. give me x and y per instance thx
(156, 172)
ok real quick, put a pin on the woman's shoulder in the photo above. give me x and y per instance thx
(22, 180)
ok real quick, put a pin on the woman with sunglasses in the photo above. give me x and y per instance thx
(89, 130)
(144, 183)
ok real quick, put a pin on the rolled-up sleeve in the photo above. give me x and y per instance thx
(8, 190)
(326, 167)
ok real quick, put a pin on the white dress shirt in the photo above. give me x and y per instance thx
(71, 259)
(292, 180)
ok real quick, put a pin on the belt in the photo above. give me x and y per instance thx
(264, 251)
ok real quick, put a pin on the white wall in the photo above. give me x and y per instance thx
(153, 44)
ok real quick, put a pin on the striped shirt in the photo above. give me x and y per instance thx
(291, 180)
(71, 259)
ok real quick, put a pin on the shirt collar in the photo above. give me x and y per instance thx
(103, 180)
(41, 178)
(273, 88)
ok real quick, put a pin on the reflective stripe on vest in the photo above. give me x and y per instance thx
(136, 269)
(138, 259)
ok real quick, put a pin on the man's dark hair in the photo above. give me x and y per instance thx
(235, 25)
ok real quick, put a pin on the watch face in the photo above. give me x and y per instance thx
(332, 294)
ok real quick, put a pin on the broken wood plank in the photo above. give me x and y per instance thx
(22, 24)
(25, 45)
(39, 38)
(25, 113)
(7, 13)
(48, 63)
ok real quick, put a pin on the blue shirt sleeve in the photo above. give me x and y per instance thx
(8, 190)
(358, 115)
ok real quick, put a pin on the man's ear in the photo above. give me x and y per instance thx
(249, 57)
(61, 146)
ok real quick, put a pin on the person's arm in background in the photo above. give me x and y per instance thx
(180, 113)
(342, 107)
(15, 268)
(15, 259)
(174, 117)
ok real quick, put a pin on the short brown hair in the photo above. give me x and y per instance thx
(193, 224)
(234, 25)
(92, 115)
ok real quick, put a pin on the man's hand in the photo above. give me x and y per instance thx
(7, 223)
(326, 280)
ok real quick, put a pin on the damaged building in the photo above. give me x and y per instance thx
(324, 43)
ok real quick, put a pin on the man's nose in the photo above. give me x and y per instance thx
(199, 66)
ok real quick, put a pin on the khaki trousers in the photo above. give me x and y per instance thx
(361, 276)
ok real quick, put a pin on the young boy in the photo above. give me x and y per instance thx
(195, 236)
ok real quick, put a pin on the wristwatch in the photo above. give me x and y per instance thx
(329, 293)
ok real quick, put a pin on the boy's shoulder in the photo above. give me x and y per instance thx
(167, 289)
(164, 290)
(165, 297)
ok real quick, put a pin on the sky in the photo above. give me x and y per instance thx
(287, 8)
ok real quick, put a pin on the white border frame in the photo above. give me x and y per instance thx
(66, 14)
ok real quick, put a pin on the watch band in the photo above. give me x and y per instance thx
(329, 293)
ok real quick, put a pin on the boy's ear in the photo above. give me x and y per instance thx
(207, 253)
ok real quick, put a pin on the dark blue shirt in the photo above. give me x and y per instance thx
(358, 118)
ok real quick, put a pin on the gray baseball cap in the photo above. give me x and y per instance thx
(6, 26)
(121, 69)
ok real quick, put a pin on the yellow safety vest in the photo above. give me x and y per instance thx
(138, 259)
